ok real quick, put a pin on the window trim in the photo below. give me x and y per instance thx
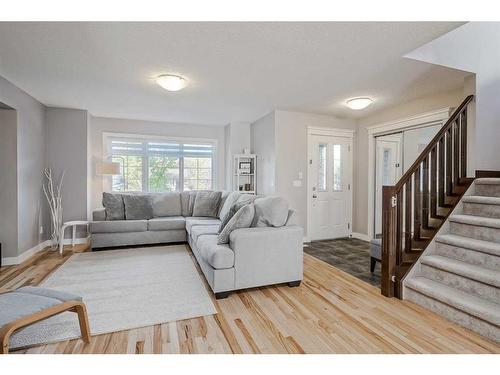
(106, 155)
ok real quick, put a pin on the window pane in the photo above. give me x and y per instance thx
(197, 173)
(322, 168)
(337, 167)
(131, 173)
(163, 174)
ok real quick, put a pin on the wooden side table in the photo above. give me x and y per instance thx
(72, 224)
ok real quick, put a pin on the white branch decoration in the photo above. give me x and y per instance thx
(54, 200)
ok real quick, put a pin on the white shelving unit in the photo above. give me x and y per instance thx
(243, 181)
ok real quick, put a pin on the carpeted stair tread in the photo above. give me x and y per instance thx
(476, 220)
(480, 199)
(487, 181)
(488, 247)
(478, 307)
(470, 271)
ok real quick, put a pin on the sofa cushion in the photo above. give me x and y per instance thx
(138, 207)
(218, 256)
(114, 206)
(194, 221)
(166, 204)
(187, 202)
(207, 203)
(118, 226)
(167, 223)
(199, 230)
(270, 212)
(241, 219)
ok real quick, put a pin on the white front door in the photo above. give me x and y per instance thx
(388, 171)
(330, 175)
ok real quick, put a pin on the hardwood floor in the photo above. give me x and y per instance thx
(331, 312)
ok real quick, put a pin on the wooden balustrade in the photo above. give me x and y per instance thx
(414, 209)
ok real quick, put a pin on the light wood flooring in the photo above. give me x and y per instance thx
(331, 312)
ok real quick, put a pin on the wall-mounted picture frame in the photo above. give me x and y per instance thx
(245, 167)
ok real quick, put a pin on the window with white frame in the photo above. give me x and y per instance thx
(161, 164)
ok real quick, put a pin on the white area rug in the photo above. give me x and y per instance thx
(123, 289)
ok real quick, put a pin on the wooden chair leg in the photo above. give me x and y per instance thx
(5, 345)
(84, 322)
(4, 339)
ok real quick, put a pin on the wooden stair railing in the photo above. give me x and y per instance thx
(414, 209)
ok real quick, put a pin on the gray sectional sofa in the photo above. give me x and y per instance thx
(268, 251)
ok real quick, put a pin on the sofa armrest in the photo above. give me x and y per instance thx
(99, 214)
(267, 255)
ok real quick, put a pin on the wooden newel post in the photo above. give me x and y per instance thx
(389, 239)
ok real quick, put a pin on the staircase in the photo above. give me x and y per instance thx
(418, 205)
(458, 275)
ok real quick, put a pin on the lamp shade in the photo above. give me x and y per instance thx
(107, 168)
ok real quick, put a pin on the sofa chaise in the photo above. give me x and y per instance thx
(267, 251)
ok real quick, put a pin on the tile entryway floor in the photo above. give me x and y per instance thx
(348, 254)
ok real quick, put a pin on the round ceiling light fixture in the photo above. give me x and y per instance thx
(171, 82)
(359, 103)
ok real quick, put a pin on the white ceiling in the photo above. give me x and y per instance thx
(236, 71)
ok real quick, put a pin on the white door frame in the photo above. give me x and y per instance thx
(331, 132)
(437, 117)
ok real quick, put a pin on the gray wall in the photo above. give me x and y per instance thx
(100, 125)
(291, 154)
(236, 138)
(30, 163)
(8, 182)
(67, 151)
(262, 140)
(280, 141)
(429, 103)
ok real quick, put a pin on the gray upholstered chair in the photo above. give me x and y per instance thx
(28, 305)
(375, 252)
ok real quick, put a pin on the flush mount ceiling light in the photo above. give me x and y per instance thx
(171, 82)
(359, 103)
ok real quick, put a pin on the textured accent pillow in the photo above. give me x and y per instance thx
(241, 219)
(207, 203)
(228, 204)
(113, 205)
(138, 207)
(270, 212)
(241, 200)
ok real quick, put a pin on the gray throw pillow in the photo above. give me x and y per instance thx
(240, 201)
(113, 205)
(270, 212)
(228, 204)
(166, 204)
(207, 203)
(138, 207)
(187, 202)
(241, 219)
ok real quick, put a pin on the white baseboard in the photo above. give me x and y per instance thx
(361, 236)
(306, 240)
(12, 261)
